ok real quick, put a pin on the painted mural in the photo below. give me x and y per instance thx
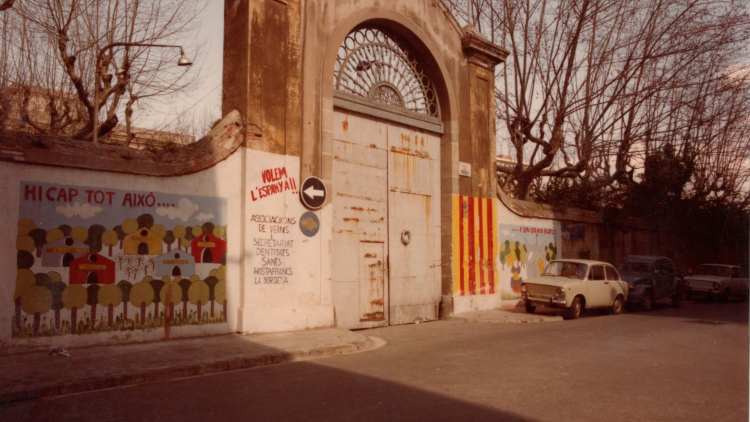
(475, 246)
(524, 253)
(94, 260)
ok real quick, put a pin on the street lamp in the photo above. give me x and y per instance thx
(183, 62)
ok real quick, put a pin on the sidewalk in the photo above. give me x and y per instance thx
(509, 315)
(35, 375)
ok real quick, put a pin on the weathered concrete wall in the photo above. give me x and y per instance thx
(582, 234)
(100, 257)
(286, 248)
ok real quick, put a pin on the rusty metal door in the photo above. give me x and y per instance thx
(386, 222)
(372, 298)
(360, 208)
(414, 224)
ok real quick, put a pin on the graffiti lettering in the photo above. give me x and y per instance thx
(273, 243)
(272, 269)
(273, 219)
(533, 230)
(276, 181)
(271, 252)
(272, 175)
(52, 194)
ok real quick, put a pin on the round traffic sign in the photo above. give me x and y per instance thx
(313, 193)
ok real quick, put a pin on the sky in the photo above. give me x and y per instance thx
(206, 95)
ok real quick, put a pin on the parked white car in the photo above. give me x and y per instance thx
(717, 281)
(575, 284)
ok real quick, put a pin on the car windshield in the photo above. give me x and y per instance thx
(716, 270)
(634, 267)
(566, 269)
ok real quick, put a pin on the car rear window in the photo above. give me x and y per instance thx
(635, 267)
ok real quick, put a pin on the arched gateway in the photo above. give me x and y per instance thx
(383, 101)
(386, 182)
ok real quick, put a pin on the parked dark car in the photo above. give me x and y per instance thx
(651, 278)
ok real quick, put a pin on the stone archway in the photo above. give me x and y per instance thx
(387, 133)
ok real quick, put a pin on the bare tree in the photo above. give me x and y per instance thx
(592, 85)
(6, 4)
(56, 52)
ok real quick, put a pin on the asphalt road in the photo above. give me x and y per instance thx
(688, 364)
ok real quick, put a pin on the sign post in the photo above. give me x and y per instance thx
(313, 193)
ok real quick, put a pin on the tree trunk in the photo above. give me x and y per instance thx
(224, 309)
(73, 318)
(57, 319)
(93, 316)
(110, 250)
(110, 314)
(185, 310)
(212, 308)
(199, 311)
(125, 311)
(171, 311)
(169, 247)
(18, 314)
(143, 313)
(39, 251)
(156, 311)
(37, 320)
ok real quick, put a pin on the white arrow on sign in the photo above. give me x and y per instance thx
(313, 193)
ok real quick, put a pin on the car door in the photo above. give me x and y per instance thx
(618, 286)
(599, 288)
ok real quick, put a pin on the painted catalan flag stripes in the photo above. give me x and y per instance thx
(474, 246)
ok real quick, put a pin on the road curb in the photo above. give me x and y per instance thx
(504, 316)
(185, 371)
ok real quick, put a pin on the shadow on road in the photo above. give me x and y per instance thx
(304, 392)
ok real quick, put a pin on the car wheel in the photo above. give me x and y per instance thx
(530, 308)
(648, 301)
(617, 306)
(677, 299)
(724, 298)
(745, 296)
(575, 309)
(688, 295)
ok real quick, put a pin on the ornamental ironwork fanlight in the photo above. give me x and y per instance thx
(377, 64)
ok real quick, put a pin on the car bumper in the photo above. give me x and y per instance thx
(541, 301)
(699, 291)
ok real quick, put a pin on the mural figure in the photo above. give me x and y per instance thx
(106, 248)
(524, 253)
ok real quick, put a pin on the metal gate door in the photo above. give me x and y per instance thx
(386, 222)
